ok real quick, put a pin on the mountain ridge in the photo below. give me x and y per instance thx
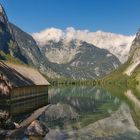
(117, 44)
(89, 61)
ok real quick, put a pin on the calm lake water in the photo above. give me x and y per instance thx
(84, 112)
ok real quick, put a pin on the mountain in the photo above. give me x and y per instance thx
(85, 62)
(134, 55)
(8, 45)
(60, 52)
(130, 71)
(62, 58)
(117, 44)
(74, 59)
(17, 43)
(27, 46)
(17, 49)
(135, 48)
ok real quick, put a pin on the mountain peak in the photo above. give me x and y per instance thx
(135, 48)
(138, 33)
(117, 44)
(1, 8)
(3, 16)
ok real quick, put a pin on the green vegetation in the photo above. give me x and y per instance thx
(115, 78)
(136, 76)
(12, 45)
(72, 82)
(9, 58)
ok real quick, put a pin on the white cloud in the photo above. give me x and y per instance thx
(117, 44)
(48, 34)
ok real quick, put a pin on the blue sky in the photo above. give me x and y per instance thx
(118, 16)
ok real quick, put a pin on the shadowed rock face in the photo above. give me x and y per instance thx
(5, 35)
(86, 62)
(136, 42)
(27, 46)
(135, 48)
(134, 55)
(7, 42)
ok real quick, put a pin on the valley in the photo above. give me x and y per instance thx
(69, 83)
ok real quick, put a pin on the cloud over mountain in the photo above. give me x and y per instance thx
(117, 44)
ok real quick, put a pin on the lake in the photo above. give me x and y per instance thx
(85, 112)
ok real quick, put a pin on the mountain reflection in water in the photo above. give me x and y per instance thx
(84, 112)
(91, 103)
(104, 114)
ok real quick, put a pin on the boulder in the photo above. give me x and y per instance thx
(60, 112)
(36, 128)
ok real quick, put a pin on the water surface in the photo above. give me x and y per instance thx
(85, 112)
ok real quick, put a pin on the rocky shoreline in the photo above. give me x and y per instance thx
(119, 125)
(32, 127)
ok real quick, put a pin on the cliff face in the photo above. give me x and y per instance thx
(135, 48)
(27, 46)
(79, 60)
(82, 60)
(117, 44)
(18, 44)
(134, 55)
(86, 62)
(8, 45)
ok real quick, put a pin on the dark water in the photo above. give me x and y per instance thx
(84, 112)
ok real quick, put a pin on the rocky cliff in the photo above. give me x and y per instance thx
(8, 45)
(134, 55)
(135, 48)
(79, 60)
(74, 60)
(27, 46)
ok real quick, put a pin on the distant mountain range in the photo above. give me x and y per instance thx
(64, 57)
(82, 60)
(117, 44)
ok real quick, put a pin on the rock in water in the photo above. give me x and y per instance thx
(37, 128)
(60, 111)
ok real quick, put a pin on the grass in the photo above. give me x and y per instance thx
(9, 58)
(117, 77)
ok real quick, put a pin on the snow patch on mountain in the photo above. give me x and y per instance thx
(117, 44)
(60, 55)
